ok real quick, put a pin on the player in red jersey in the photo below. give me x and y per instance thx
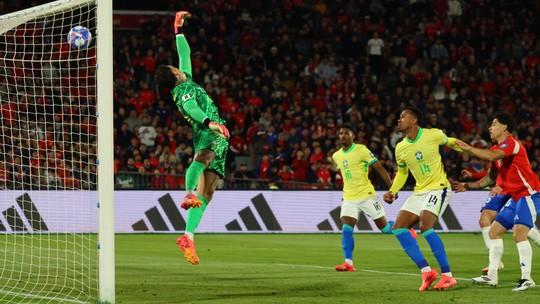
(509, 159)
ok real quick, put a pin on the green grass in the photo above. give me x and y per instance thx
(276, 268)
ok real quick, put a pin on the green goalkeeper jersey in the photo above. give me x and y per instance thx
(189, 94)
(190, 98)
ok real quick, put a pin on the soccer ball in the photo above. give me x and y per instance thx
(79, 37)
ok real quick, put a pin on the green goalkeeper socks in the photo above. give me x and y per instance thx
(193, 175)
(194, 216)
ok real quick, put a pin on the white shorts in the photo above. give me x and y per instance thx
(434, 201)
(370, 207)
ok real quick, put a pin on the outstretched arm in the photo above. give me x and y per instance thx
(485, 154)
(184, 54)
(182, 46)
(486, 181)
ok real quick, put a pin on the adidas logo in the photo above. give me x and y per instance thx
(30, 213)
(157, 222)
(363, 224)
(250, 221)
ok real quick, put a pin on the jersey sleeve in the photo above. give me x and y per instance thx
(185, 99)
(369, 157)
(510, 147)
(439, 137)
(184, 54)
(402, 172)
(399, 159)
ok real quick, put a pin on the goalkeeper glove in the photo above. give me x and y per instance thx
(179, 19)
(220, 129)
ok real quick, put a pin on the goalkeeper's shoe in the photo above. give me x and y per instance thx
(179, 19)
(187, 246)
(486, 269)
(485, 280)
(345, 267)
(191, 201)
(427, 279)
(446, 282)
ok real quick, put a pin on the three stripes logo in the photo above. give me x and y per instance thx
(250, 221)
(30, 213)
(362, 224)
(156, 220)
(449, 218)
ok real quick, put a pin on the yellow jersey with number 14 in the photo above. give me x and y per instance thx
(354, 166)
(423, 158)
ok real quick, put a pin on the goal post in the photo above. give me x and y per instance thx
(105, 151)
(57, 155)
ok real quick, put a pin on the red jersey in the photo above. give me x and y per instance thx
(519, 179)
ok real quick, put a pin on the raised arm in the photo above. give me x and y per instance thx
(182, 46)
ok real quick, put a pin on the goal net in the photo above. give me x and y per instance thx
(48, 156)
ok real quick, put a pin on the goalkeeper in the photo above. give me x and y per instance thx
(209, 137)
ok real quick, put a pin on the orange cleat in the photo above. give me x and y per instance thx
(446, 282)
(187, 246)
(413, 233)
(191, 201)
(179, 19)
(427, 279)
(345, 267)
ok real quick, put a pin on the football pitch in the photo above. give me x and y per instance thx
(299, 268)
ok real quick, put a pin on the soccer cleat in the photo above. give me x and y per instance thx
(179, 19)
(345, 267)
(191, 201)
(524, 284)
(187, 246)
(446, 282)
(486, 269)
(485, 280)
(427, 279)
(413, 233)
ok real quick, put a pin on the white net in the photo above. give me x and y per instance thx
(48, 214)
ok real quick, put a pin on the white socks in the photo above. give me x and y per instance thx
(190, 235)
(485, 236)
(426, 269)
(349, 261)
(534, 236)
(495, 255)
(525, 259)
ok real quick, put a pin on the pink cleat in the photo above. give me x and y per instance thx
(345, 267)
(427, 279)
(186, 245)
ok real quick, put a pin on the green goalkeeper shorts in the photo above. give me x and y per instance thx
(208, 139)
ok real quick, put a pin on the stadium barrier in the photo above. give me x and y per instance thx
(229, 212)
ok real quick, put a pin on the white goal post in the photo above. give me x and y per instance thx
(57, 155)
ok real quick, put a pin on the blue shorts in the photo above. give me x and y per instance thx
(496, 202)
(522, 211)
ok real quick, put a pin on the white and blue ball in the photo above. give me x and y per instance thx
(79, 37)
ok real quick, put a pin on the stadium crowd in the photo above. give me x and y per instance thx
(285, 74)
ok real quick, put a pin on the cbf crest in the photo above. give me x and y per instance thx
(418, 155)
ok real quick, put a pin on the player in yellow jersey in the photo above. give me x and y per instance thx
(419, 153)
(354, 160)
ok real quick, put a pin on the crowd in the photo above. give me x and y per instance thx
(286, 73)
